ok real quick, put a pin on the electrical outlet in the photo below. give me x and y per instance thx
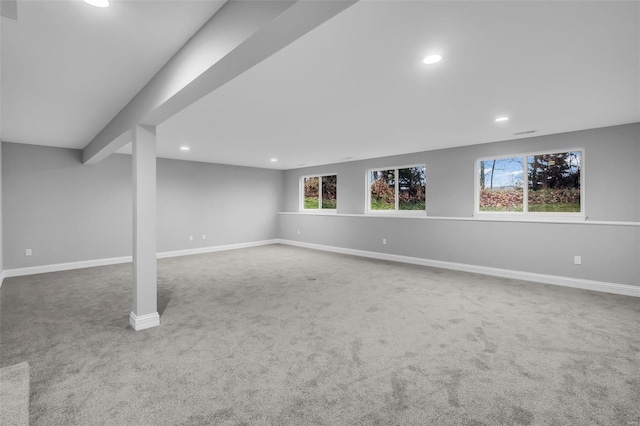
(384, 241)
(577, 260)
(27, 252)
(204, 237)
(190, 237)
(298, 232)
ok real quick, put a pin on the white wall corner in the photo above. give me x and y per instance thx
(143, 322)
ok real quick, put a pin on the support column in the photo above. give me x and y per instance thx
(144, 311)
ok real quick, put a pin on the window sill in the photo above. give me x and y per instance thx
(531, 217)
(319, 211)
(396, 213)
(579, 221)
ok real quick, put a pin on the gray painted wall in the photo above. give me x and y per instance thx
(66, 212)
(609, 253)
(62, 210)
(611, 180)
(1, 234)
(228, 204)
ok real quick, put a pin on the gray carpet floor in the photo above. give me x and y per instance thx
(278, 335)
(14, 395)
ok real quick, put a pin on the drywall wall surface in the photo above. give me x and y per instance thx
(609, 253)
(65, 211)
(225, 204)
(611, 156)
(1, 234)
(62, 210)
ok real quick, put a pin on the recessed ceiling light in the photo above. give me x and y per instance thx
(502, 119)
(184, 148)
(432, 59)
(98, 3)
(273, 160)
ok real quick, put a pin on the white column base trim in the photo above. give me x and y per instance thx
(143, 322)
(623, 289)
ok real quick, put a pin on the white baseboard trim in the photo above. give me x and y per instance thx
(213, 249)
(143, 322)
(43, 269)
(623, 289)
(32, 270)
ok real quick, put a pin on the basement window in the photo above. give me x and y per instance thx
(319, 192)
(539, 184)
(397, 190)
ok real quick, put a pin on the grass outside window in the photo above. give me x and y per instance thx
(397, 189)
(320, 192)
(537, 183)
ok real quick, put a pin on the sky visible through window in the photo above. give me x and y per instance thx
(547, 182)
(503, 173)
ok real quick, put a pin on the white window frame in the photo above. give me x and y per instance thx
(525, 214)
(397, 211)
(301, 207)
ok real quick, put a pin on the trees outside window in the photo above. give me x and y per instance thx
(501, 187)
(547, 182)
(330, 192)
(320, 192)
(383, 189)
(397, 189)
(554, 182)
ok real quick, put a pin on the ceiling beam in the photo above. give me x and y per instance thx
(240, 35)
(9, 9)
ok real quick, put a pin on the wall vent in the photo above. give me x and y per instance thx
(526, 132)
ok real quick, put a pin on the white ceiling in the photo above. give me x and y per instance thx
(68, 67)
(353, 87)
